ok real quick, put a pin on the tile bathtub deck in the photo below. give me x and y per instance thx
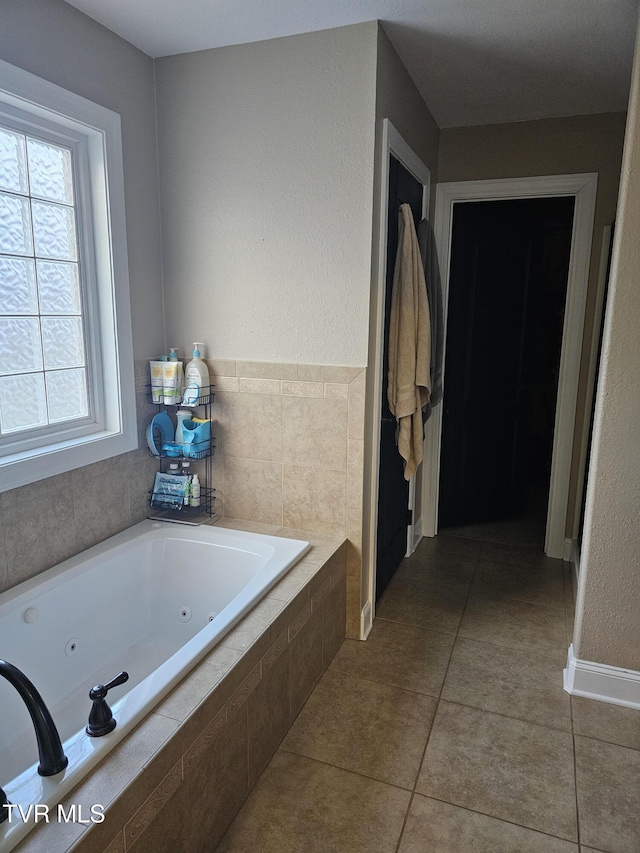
(448, 731)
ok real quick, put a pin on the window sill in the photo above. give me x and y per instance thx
(20, 469)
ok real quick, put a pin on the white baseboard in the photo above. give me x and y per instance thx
(605, 683)
(366, 621)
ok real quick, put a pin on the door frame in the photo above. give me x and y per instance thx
(392, 144)
(583, 188)
(592, 378)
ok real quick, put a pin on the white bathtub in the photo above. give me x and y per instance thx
(152, 600)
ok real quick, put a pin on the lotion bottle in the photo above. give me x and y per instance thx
(156, 367)
(196, 377)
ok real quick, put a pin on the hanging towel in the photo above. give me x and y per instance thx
(409, 381)
(429, 255)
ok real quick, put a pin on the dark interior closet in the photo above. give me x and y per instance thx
(507, 292)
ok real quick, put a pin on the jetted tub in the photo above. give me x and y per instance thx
(153, 601)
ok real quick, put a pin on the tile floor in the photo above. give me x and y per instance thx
(448, 731)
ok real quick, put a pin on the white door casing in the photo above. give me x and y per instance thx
(583, 188)
(392, 143)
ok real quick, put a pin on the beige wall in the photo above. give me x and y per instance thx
(398, 100)
(266, 171)
(608, 612)
(46, 522)
(54, 40)
(547, 147)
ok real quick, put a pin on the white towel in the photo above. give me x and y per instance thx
(408, 386)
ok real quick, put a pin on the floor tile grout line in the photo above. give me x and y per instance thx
(528, 548)
(338, 671)
(559, 608)
(439, 699)
(370, 680)
(404, 822)
(509, 648)
(494, 817)
(506, 716)
(573, 738)
(526, 601)
(601, 740)
(575, 786)
(359, 773)
(412, 625)
(512, 649)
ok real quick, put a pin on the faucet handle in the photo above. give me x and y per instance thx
(4, 802)
(100, 690)
(101, 720)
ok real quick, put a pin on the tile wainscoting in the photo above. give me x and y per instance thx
(290, 452)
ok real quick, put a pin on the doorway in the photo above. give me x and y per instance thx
(507, 293)
(392, 144)
(582, 188)
(393, 490)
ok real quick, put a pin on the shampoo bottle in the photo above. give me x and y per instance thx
(196, 377)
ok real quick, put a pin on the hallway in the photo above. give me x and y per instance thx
(448, 731)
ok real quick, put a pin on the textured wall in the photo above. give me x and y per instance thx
(547, 147)
(398, 100)
(46, 522)
(608, 627)
(266, 165)
(55, 41)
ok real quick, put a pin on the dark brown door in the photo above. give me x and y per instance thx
(393, 494)
(508, 282)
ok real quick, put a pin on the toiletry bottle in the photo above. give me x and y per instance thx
(156, 367)
(172, 379)
(196, 377)
(181, 416)
(195, 491)
(186, 470)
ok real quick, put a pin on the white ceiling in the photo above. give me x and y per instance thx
(474, 61)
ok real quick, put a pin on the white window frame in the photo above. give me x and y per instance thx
(102, 234)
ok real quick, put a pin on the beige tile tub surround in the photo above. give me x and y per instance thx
(177, 781)
(290, 451)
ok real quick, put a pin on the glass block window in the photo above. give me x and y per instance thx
(67, 383)
(43, 356)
